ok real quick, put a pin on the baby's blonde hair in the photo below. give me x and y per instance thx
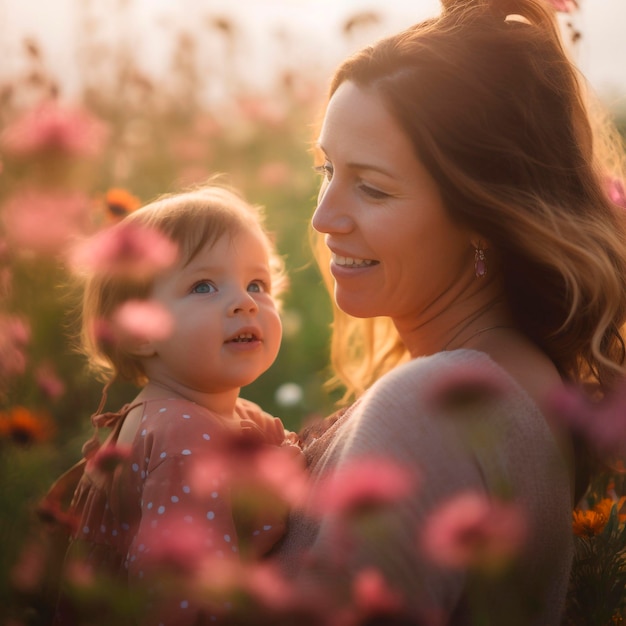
(191, 220)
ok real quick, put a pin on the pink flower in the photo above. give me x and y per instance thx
(602, 424)
(254, 466)
(464, 391)
(107, 458)
(372, 595)
(143, 320)
(29, 570)
(472, 530)
(14, 337)
(179, 546)
(275, 174)
(126, 249)
(267, 584)
(48, 381)
(52, 127)
(564, 6)
(363, 484)
(44, 222)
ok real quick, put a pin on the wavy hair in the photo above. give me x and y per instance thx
(521, 154)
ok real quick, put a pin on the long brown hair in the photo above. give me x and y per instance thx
(501, 119)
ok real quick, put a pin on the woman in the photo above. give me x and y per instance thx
(469, 239)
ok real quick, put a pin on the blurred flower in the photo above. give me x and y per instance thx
(262, 111)
(107, 458)
(564, 6)
(29, 569)
(363, 484)
(44, 222)
(373, 597)
(50, 512)
(14, 336)
(248, 464)
(472, 530)
(48, 381)
(142, 320)
(119, 203)
(588, 523)
(188, 148)
(274, 174)
(591, 522)
(358, 20)
(222, 24)
(125, 249)
(6, 283)
(25, 427)
(602, 424)
(191, 175)
(464, 390)
(605, 506)
(79, 573)
(267, 585)
(54, 127)
(180, 546)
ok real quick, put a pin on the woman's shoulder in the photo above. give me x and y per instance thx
(430, 377)
(442, 397)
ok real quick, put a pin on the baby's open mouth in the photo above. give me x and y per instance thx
(243, 338)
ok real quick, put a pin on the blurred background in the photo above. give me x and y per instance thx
(106, 104)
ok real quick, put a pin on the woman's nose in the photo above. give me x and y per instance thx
(330, 215)
(243, 302)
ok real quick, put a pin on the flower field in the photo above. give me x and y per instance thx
(70, 168)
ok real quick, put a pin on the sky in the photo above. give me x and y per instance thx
(311, 28)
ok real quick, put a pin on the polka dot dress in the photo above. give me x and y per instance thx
(161, 508)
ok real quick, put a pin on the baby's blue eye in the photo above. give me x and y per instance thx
(203, 286)
(258, 286)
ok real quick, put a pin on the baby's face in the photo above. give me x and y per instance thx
(226, 327)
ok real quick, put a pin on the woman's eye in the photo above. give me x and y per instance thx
(374, 193)
(326, 170)
(258, 286)
(204, 286)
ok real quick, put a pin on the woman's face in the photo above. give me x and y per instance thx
(394, 250)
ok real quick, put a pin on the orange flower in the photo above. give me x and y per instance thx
(119, 203)
(24, 426)
(588, 523)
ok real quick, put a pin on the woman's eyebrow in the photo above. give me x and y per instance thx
(355, 165)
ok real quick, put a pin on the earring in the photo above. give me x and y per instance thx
(480, 262)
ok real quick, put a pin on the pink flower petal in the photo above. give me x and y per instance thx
(363, 484)
(49, 382)
(143, 320)
(55, 127)
(126, 249)
(564, 6)
(471, 530)
(44, 222)
(464, 390)
(602, 424)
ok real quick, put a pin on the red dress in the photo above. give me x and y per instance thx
(167, 507)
